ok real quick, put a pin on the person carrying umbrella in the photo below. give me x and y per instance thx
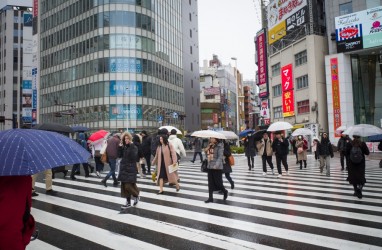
(112, 155)
(264, 148)
(302, 147)
(250, 150)
(356, 151)
(325, 151)
(281, 148)
(215, 154)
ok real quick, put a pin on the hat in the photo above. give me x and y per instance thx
(144, 132)
(173, 131)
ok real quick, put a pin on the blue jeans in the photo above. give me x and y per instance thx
(112, 164)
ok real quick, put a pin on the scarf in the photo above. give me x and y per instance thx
(210, 152)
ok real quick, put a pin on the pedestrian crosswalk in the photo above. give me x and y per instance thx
(302, 210)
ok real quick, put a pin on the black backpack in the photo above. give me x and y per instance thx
(356, 155)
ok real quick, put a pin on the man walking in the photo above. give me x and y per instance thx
(48, 183)
(281, 148)
(341, 145)
(197, 149)
(325, 151)
(146, 150)
(112, 155)
(265, 150)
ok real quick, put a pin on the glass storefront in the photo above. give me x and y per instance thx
(367, 86)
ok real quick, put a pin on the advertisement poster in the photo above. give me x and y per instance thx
(288, 103)
(132, 65)
(286, 77)
(335, 94)
(128, 111)
(287, 90)
(262, 58)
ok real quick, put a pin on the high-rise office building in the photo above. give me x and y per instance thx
(15, 30)
(112, 64)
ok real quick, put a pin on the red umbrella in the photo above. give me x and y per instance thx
(99, 135)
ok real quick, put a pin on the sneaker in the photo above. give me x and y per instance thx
(264, 173)
(136, 200)
(51, 192)
(98, 174)
(273, 172)
(115, 183)
(127, 205)
(279, 176)
(192, 161)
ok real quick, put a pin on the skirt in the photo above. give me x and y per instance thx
(215, 180)
(128, 189)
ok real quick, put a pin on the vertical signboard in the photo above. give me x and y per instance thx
(264, 111)
(287, 90)
(335, 94)
(262, 57)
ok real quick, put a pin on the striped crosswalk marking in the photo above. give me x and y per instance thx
(304, 210)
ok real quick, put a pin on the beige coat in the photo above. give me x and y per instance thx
(301, 156)
(167, 160)
(261, 146)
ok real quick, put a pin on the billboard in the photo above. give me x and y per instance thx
(262, 59)
(123, 112)
(132, 65)
(335, 94)
(284, 16)
(359, 30)
(287, 90)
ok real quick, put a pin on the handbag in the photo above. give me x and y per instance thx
(104, 158)
(231, 160)
(174, 166)
(204, 166)
(300, 150)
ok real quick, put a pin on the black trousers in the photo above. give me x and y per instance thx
(265, 160)
(251, 159)
(198, 153)
(283, 159)
(148, 163)
(229, 178)
(77, 167)
(342, 159)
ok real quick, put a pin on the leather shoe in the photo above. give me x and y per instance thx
(104, 182)
(209, 201)
(225, 195)
(116, 183)
(51, 192)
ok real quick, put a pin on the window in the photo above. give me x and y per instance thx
(276, 69)
(346, 8)
(190, 16)
(192, 83)
(277, 112)
(191, 50)
(190, 33)
(209, 97)
(300, 58)
(276, 90)
(303, 107)
(192, 67)
(302, 82)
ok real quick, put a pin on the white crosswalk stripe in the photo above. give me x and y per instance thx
(304, 210)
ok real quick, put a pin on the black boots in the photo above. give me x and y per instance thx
(304, 163)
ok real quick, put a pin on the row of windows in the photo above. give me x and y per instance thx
(303, 107)
(112, 65)
(78, 8)
(108, 88)
(299, 59)
(103, 19)
(98, 43)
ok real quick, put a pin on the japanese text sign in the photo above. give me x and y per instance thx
(288, 103)
(335, 94)
(286, 77)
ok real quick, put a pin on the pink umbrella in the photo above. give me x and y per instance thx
(99, 135)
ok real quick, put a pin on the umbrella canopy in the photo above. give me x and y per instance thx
(99, 135)
(277, 126)
(26, 151)
(230, 135)
(375, 138)
(55, 127)
(246, 132)
(363, 130)
(340, 129)
(208, 134)
(169, 128)
(80, 128)
(302, 131)
(258, 135)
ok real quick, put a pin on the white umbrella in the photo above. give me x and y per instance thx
(340, 129)
(169, 128)
(229, 134)
(302, 131)
(363, 130)
(209, 134)
(277, 126)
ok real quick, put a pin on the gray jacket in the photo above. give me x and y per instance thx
(217, 161)
(197, 145)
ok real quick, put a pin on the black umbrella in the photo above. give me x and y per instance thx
(55, 127)
(80, 128)
(258, 135)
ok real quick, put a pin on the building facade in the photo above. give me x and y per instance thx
(15, 31)
(354, 64)
(297, 47)
(114, 65)
(191, 65)
(250, 104)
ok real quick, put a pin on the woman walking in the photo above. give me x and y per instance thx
(314, 149)
(214, 153)
(227, 168)
(356, 151)
(128, 170)
(165, 157)
(250, 150)
(302, 146)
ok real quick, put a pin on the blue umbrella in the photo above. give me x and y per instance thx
(29, 151)
(375, 138)
(80, 128)
(246, 132)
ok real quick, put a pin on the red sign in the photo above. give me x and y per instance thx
(35, 8)
(286, 78)
(348, 32)
(288, 103)
(215, 118)
(267, 121)
(262, 63)
(335, 94)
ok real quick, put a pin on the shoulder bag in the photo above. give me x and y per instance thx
(204, 166)
(174, 166)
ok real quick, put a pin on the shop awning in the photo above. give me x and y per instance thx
(296, 126)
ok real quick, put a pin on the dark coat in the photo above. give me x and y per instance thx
(226, 153)
(356, 172)
(324, 148)
(139, 146)
(146, 145)
(250, 146)
(341, 145)
(112, 147)
(128, 168)
(280, 147)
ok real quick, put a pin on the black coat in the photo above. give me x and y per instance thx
(140, 152)
(280, 147)
(324, 148)
(226, 153)
(146, 145)
(250, 146)
(356, 172)
(128, 168)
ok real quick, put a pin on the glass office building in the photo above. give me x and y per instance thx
(112, 65)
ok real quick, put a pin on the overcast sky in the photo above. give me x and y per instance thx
(227, 28)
